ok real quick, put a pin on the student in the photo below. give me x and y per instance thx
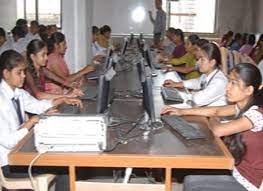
(177, 37)
(209, 87)
(188, 60)
(20, 42)
(226, 39)
(237, 42)
(56, 49)
(14, 103)
(243, 135)
(104, 37)
(4, 43)
(36, 72)
(96, 48)
(257, 52)
(248, 47)
(159, 23)
(34, 31)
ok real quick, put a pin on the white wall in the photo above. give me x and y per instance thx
(117, 14)
(259, 17)
(7, 14)
(76, 25)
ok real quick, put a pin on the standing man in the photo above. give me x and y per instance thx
(159, 23)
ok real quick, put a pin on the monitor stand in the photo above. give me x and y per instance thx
(147, 124)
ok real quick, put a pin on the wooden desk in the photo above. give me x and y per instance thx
(162, 149)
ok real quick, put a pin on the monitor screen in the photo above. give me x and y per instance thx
(148, 102)
(148, 57)
(124, 46)
(141, 70)
(103, 94)
(109, 55)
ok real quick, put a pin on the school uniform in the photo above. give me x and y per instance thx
(10, 120)
(209, 90)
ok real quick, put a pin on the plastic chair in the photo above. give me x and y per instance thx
(42, 181)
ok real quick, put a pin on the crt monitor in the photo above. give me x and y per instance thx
(103, 94)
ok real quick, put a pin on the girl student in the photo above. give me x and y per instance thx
(36, 72)
(14, 102)
(209, 88)
(243, 135)
(57, 47)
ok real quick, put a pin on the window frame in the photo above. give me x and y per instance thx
(37, 12)
(212, 34)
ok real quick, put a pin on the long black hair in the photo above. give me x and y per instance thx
(9, 60)
(251, 76)
(55, 38)
(212, 52)
(34, 47)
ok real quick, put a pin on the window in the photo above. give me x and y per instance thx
(191, 15)
(46, 12)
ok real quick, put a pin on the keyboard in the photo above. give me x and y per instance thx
(69, 109)
(90, 93)
(171, 95)
(93, 75)
(185, 129)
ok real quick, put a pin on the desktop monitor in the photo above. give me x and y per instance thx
(148, 102)
(124, 46)
(140, 44)
(131, 39)
(141, 70)
(103, 94)
(148, 57)
(109, 55)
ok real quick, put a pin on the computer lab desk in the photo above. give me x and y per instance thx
(163, 148)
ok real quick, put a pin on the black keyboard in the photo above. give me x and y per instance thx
(69, 109)
(93, 75)
(90, 93)
(171, 95)
(185, 129)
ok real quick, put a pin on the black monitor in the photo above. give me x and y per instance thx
(131, 39)
(148, 102)
(109, 55)
(148, 58)
(141, 70)
(140, 44)
(124, 46)
(103, 94)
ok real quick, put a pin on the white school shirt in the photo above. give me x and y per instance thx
(97, 49)
(213, 93)
(20, 45)
(29, 37)
(6, 46)
(10, 134)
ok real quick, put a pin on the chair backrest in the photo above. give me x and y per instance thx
(224, 54)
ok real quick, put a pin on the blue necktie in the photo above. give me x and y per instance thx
(16, 104)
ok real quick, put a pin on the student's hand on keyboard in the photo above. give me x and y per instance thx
(73, 101)
(168, 110)
(52, 111)
(67, 100)
(169, 84)
(75, 93)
